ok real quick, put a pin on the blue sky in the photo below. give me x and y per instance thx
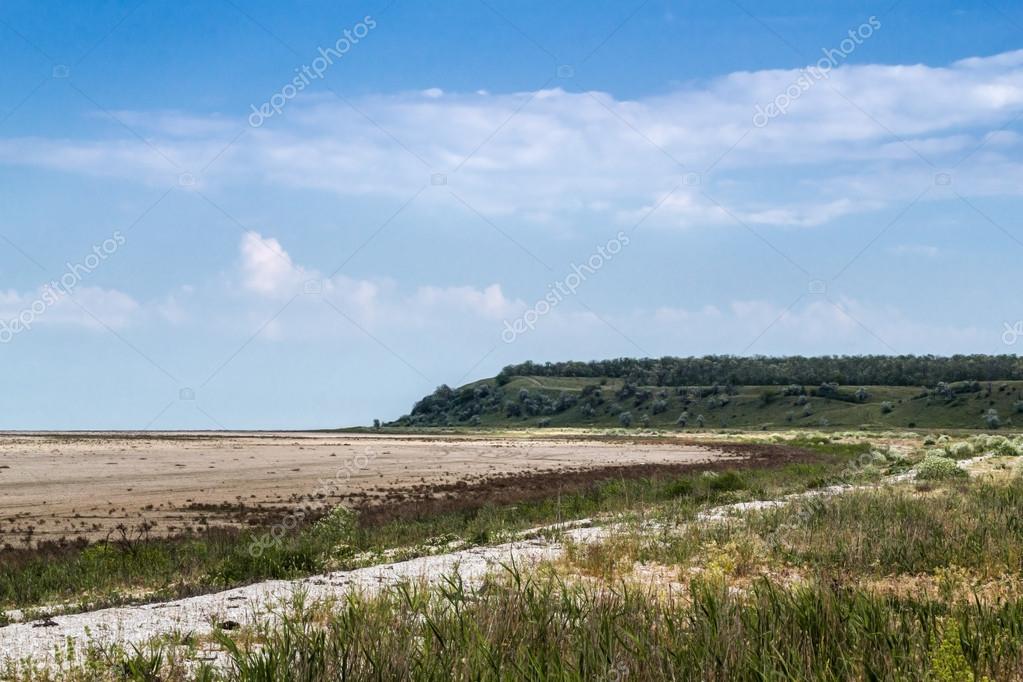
(728, 178)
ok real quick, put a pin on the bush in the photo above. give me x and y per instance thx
(992, 419)
(625, 419)
(933, 468)
(960, 450)
(887, 407)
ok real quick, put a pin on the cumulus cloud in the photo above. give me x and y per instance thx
(266, 271)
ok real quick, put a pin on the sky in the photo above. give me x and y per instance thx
(264, 215)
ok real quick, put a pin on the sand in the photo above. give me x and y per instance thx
(56, 486)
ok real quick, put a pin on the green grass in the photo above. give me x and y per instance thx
(540, 627)
(975, 526)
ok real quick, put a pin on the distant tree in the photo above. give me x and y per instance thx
(861, 395)
(474, 420)
(699, 420)
(887, 407)
(659, 406)
(523, 395)
(543, 422)
(1018, 407)
(992, 419)
(376, 423)
(645, 420)
(625, 419)
(682, 420)
(807, 410)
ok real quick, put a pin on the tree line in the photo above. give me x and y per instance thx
(881, 370)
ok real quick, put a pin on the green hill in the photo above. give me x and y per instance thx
(961, 392)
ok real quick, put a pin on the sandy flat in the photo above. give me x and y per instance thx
(84, 485)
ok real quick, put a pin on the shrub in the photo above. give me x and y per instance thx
(933, 468)
(726, 482)
(960, 450)
(992, 419)
(887, 407)
(625, 419)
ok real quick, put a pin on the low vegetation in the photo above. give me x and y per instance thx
(906, 580)
(114, 572)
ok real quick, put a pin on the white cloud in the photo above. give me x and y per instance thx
(87, 307)
(850, 144)
(267, 272)
(489, 302)
(267, 269)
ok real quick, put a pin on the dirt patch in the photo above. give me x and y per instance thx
(63, 488)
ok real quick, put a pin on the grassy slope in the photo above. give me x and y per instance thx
(746, 410)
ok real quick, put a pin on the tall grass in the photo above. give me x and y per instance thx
(539, 627)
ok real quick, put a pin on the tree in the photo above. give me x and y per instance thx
(625, 419)
(992, 419)
(376, 423)
(699, 420)
(887, 407)
(682, 420)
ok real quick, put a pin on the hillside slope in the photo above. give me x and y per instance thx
(654, 393)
